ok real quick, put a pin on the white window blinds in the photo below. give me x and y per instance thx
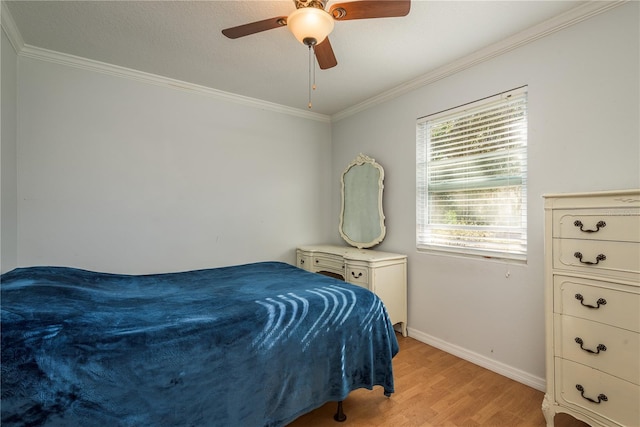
(471, 165)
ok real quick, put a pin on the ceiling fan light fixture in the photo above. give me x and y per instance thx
(310, 23)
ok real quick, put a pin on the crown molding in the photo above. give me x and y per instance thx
(10, 29)
(553, 25)
(29, 51)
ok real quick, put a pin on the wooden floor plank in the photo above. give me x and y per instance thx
(437, 389)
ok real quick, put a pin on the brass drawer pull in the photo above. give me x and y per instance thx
(600, 257)
(601, 347)
(601, 301)
(601, 397)
(599, 225)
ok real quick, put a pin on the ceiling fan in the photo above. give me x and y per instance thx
(310, 23)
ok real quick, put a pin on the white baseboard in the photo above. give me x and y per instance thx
(480, 360)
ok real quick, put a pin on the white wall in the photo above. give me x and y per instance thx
(125, 176)
(583, 136)
(8, 167)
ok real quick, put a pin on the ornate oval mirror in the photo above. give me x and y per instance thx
(361, 218)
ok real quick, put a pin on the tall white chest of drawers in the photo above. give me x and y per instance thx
(592, 305)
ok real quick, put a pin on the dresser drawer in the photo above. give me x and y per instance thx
(612, 304)
(304, 262)
(357, 276)
(597, 224)
(576, 384)
(597, 257)
(332, 264)
(607, 348)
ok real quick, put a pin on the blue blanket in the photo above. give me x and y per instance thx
(252, 345)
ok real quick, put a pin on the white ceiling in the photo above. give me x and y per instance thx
(182, 40)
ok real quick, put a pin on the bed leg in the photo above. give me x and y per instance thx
(340, 416)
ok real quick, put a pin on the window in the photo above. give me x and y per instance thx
(471, 164)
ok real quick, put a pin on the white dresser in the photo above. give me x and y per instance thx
(592, 297)
(383, 273)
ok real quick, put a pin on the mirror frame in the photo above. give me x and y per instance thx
(363, 160)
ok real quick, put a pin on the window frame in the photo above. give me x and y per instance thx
(424, 227)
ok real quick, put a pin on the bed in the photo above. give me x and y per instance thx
(249, 345)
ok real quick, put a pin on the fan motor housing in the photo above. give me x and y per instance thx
(320, 4)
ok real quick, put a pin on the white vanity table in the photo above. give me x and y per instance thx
(383, 273)
(362, 226)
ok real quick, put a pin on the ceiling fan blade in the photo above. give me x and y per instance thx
(324, 55)
(255, 27)
(366, 9)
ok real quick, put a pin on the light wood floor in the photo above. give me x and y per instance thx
(434, 388)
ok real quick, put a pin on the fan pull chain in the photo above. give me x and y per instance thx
(314, 67)
(309, 105)
(312, 77)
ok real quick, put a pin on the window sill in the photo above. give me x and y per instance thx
(469, 254)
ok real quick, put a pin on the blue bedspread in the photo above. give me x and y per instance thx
(252, 345)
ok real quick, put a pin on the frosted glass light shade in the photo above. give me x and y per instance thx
(310, 22)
